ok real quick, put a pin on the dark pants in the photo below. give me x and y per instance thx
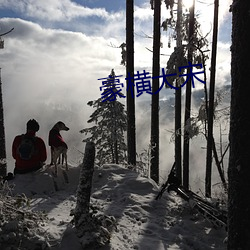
(25, 171)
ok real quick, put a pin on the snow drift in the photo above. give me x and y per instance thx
(141, 221)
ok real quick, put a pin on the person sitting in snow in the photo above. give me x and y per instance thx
(29, 150)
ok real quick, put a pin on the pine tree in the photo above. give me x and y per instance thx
(110, 120)
(189, 48)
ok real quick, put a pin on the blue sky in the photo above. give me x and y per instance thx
(59, 48)
(109, 5)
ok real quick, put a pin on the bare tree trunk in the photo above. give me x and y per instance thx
(211, 103)
(116, 152)
(83, 193)
(154, 168)
(218, 163)
(216, 158)
(178, 158)
(115, 140)
(3, 162)
(131, 138)
(188, 101)
(239, 159)
(93, 230)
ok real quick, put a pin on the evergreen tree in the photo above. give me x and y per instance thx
(189, 48)
(110, 120)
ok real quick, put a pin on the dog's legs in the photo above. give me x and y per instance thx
(59, 159)
(56, 170)
(51, 156)
(63, 157)
(55, 158)
(57, 152)
(66, 161)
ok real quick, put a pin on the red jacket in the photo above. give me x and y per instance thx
(55, 139)
(37, 159)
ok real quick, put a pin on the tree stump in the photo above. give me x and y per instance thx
(93, 228)
(84, 187)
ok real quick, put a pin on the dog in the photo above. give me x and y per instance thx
(58, 146)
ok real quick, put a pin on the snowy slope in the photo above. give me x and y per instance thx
(141, 221)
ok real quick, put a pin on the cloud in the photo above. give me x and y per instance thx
(50, 66)
(143, 13)
(56, 10)
(69, 15)
(50, 75)
(205, 14)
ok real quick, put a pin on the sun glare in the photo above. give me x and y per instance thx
(188, 3)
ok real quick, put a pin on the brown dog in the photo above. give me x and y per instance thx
(58, 146)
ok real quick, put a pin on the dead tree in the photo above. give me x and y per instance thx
(84, 187)
(211, 103)
(93, 229)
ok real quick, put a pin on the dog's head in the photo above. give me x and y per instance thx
(61, 126)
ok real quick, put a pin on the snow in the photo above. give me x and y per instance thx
(141, 221)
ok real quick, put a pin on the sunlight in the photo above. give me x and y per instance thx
(187, 3)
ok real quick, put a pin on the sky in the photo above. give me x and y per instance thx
(59, 48)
